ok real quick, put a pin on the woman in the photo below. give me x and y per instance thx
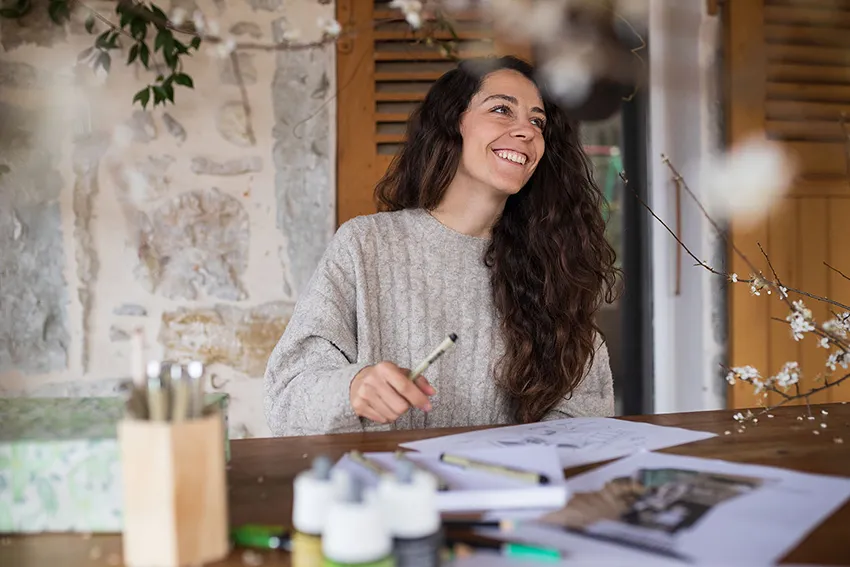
(490, 228)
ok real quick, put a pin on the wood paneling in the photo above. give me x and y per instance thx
(789, 81)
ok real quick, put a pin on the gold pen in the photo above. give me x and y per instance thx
(402, 456)
(361, 459)
(518, 474)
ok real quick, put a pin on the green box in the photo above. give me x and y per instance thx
(60, 467)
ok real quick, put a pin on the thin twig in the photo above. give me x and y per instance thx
(720, 232)
(722, 235)
(105, 20)
(804, 395)
(839, 272)
(672, 233)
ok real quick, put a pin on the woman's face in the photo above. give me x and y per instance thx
(502, 133)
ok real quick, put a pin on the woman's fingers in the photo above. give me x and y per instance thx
(425, 386)
(384, 392)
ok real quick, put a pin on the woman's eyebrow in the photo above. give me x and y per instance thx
(513, 100)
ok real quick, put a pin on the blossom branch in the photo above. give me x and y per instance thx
(836, 270)
(758, 278)
(673, 233)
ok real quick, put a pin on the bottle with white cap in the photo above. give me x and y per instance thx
(313, 492)
(408, 500)
(356, 534)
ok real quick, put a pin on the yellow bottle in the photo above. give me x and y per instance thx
(313, 492)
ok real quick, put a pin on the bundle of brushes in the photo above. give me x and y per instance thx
(164, 391)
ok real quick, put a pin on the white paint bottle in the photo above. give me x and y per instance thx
(314, 490)
(408, 500)
(356, 534)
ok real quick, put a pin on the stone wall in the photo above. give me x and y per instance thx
(199, 223)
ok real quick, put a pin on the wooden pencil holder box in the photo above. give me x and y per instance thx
(174, 492)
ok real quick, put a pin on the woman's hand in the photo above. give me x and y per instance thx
(383, 392)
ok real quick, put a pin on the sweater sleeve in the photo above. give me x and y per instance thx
(309, 372)
(594, 396)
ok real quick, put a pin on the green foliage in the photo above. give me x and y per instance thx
(142, 29)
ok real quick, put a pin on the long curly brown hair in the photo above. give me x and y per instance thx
(550, 263)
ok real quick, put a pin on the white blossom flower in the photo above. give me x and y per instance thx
(178, 16)
(213, 28)
(838, 326)
(539, 20)
(745, 182)
(291, 34)
(225, 48)
(836, 358)
(789, 375)
(199, 21)
(802, 309)
(738, 417)
(329, 26)
(412, 10)
(743, 373)
(800, 320)
(569, 74)
(823, 342)
(783, 291)
(733, 278)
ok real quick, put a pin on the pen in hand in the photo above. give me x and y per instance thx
(429, 360)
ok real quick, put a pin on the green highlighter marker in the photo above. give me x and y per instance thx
(261, 537)
(521, 551)
(514, 550)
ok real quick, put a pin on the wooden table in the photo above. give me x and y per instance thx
(262, 470)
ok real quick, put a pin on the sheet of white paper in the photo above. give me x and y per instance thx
(578, 440)
(471, 489)
(735, 514)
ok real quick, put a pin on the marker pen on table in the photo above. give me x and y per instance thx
(261, 537)
(518, 474)
(513, 550)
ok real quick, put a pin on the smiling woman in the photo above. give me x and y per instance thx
(491, 229)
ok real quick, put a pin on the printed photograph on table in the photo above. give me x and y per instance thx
(650, 508)
(679, 509)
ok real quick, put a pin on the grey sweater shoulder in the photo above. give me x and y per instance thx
(392, 286)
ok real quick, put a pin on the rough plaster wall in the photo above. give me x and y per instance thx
(188, 222)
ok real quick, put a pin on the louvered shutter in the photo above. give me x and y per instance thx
(789, 79)
(382, 74)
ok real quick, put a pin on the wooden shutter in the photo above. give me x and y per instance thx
(382, 74)
(789, 80)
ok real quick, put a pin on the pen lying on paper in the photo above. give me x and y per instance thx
(429, 360)
(518, 474)
(441, 484)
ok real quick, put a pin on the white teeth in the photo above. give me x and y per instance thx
(512, 156)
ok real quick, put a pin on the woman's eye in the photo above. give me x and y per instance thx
(539, 122)
(501, 109)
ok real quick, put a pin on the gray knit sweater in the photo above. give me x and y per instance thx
(392, 286)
